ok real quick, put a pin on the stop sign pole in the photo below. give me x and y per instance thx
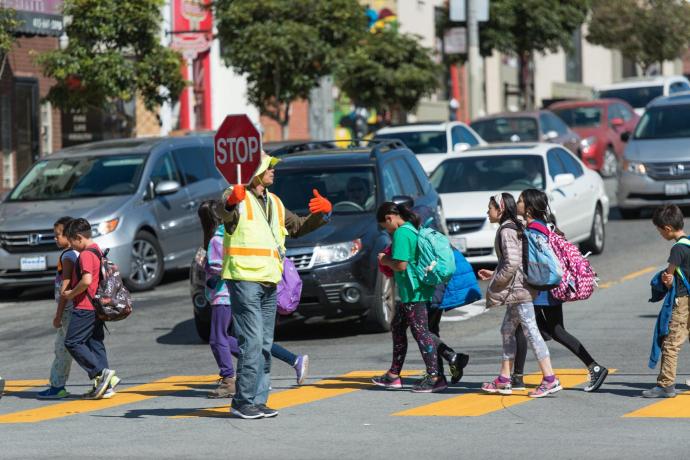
(237, 149)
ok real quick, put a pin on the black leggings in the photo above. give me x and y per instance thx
(444, 351)
(550, 322)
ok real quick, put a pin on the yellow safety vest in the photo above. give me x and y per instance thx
(251, 252)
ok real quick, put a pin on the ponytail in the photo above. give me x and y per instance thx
(401, 210)
(209, 220)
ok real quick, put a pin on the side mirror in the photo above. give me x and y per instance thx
(461, 147)
(625, 137)
(551, 135)
(403, 200)
(561, 180)
(617, 122)
(167, 187)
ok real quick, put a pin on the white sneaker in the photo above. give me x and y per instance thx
(109, 393)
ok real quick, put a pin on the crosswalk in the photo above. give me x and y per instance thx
(470, 402)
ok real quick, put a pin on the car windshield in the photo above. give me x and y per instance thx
(351, 190)
(489, 173)
(637, 97)
(668, 122)
(420, 141)
(580, 117)
(507, 129)
(81, 177)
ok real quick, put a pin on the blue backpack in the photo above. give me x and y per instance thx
(436, 263)
(542, 269)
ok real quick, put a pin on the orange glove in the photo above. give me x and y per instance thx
(319, 204)
(237, 195)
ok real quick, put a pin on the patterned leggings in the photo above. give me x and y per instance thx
(413, 315)
(522, 315)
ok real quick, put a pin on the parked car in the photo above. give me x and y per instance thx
(140, 196)
(280, 148)
(338, 263)
(576, 194)
(538, 126)
(432, 142)
(656, 164)
(600, 124)
(638, 92)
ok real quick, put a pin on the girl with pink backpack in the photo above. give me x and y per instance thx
(533, 206)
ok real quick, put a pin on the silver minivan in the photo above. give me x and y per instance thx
(140, 196)
(656, 162)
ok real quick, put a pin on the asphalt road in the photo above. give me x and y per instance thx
(161, 410)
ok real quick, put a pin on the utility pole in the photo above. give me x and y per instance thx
(474, 61)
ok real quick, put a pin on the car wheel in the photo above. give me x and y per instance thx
(147, 263)
(10, 293)
(597, 236)
(629, 213)
(381, 312)
(609, 168)
(203, 327)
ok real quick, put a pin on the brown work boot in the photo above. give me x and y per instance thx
(225, 388)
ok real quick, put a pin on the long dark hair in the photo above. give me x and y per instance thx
(509, 210)
(405, 213)
(537, 204)
(209, 219)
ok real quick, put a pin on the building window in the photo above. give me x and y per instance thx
(46, 128)
(573, 59)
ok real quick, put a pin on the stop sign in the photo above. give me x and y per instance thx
(237, 147)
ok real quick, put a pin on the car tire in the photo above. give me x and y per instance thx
(203, 327)
(609, 166)
(11, 293)
(381, 312)
(627, 214)
(597, 236)
(147, 263)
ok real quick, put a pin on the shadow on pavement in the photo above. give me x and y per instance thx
(183, 333)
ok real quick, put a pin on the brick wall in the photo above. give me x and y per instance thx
(298, 126)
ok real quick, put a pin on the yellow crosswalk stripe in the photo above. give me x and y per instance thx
(678, 407)
(476, 403)
(323, 389)
(16, 386)
(130, 395)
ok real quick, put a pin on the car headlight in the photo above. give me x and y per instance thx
(340, 252)
(634, 167)
(104, 228)
(588, 144)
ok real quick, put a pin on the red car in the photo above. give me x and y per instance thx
(600, 123)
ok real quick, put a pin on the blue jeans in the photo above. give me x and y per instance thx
(283, 354)
(254, 316)
(84, 341)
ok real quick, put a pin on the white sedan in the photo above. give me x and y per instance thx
(576, 194)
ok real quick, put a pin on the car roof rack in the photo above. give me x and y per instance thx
(376, 145)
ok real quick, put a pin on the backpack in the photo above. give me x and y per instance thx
(436, 263)
(112, 301)
(289, 289)
(541, 266)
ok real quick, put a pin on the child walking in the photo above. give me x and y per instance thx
(59, 370)
(669, 222)
(415, 298)
(507, 287)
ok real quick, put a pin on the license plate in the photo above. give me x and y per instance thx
(33, 264)
(676, 189)
(460, 244)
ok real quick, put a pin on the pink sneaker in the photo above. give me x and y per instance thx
(496, 386)
(388, 382)
(545, 389)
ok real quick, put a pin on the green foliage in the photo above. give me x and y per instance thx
(114, 52)
(8, 23)
(283, 47)
(388, 71)
(646, 32)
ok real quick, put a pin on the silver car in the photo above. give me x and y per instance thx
(140, 196)
(656, 162)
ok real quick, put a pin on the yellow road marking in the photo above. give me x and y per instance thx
(130, 395)
(476, 404)
(16, 386)
(678, 407)
(323, 389)
(638, 273)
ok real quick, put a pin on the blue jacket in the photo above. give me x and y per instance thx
(659, 291)
(461, 289)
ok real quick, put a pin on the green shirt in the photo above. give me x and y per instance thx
(405, 250)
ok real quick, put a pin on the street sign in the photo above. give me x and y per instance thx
(455, 40)
(458, 10)
(237, 148)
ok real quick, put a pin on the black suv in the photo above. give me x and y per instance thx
(338, 262)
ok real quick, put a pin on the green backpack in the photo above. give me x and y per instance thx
(436, 263)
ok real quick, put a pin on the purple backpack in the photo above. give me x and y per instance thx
(289, 288)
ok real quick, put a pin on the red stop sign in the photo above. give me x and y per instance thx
(237, 147)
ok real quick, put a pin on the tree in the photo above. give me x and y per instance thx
(388, 71)
(114, 52)
(645, 31)
(8, 23)
(523, 27)
(284, 47)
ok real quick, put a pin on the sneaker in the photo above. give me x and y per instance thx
(301, 368)
(247, 411)
(660, 392)
(428, 385)
(267, 411)
(495, 386)
(388, 382)
(517, 382)
(115, 381)
(225, 389)
(90, 394)
(53, 393)
(103, 382)
(456, 365)
(545, 389)
(109, 393)
(597, 375)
